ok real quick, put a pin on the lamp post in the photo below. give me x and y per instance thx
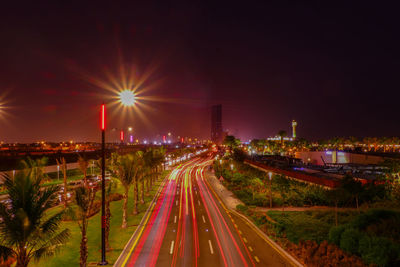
(103, 185)
(127, 98)
(270, 189)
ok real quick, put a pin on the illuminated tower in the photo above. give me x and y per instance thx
(294, 124)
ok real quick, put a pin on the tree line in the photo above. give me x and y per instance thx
(28, 231)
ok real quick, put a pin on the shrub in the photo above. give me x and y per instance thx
(335, 234)
(242, 208)
(349, 240)
(379, 250)
(245, 195)
(371, 217)
(260, 200)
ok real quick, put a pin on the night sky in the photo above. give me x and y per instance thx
(333, 67)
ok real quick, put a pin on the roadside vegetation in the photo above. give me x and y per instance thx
(353, 225)
(46, 222)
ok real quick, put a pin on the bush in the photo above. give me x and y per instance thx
(335, 234)
(371, 217)
(379, 250)
(260, 200)
(242, 208)
(245, 195)
(349, 240)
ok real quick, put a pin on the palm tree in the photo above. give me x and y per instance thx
(354, 141)
(83, 165)
(139, 173)
(34, 168)
(26, 231)
(231, 141)
(282, 134)
(98, 164)
(84, 200)
(125, 171)
(159, 159)
(64, 170)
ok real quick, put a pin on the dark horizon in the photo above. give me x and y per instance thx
(330, 66)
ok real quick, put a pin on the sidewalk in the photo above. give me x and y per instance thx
(227, 196)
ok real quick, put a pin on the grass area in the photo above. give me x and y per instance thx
(69, 254)
(61, 181)
(308, 225)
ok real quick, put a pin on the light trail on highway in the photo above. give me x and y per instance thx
(188, 226)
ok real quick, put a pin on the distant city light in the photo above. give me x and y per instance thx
(121, 136)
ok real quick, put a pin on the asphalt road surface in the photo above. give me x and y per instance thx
(188, 226)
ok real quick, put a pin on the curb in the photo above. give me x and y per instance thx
(290, 259)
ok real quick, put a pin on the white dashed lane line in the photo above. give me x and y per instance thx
(211, 248)
(172, 247)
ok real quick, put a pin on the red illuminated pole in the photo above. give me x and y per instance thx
(121, 136)
(103, 185)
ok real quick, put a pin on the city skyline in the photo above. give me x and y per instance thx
(266, 64)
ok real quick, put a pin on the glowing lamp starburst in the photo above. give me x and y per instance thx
(127, 97)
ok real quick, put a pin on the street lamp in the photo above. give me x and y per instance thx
(127, 98)
(103, 184)
(270, 189)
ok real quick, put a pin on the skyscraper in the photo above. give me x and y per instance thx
(216, 124)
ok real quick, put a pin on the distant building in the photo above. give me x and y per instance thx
(294, 124)
(216, 124)
(338, 157)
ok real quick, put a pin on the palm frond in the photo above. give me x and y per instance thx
(6, 252)
(51, 246)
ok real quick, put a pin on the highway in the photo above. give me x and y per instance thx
(187, 225)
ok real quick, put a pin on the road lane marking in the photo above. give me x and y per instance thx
(244, 239)
(250, 248)
(199, 202)
(172, 247)
(211, 248)
(175, 219)
(204, 220)
(240, 232)
(177, 202)
(236, 225)
(256, 258)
